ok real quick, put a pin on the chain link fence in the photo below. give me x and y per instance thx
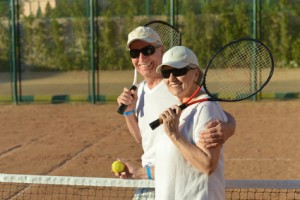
(74, 51)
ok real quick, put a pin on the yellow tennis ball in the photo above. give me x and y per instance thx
(117, 167)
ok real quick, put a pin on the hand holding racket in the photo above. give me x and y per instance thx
(123, 107)
(170, 37)
(237, 71)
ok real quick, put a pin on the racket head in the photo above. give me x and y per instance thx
(238, 70)
(169, 35)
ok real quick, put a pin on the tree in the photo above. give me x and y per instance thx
(48, 10)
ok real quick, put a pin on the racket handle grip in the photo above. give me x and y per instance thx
(123, 107)
(159, 121)
(155, 124)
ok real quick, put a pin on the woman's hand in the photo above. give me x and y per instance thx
(170, 119)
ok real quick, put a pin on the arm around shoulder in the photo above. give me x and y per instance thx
(230, 126)
(218, 132)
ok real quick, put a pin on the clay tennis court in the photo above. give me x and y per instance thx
(84, 139)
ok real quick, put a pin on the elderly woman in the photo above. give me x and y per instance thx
(185, 168)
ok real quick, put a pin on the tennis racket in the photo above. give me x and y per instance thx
(169, 36)
(237, 71)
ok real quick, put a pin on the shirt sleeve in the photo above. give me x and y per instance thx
(206, 112)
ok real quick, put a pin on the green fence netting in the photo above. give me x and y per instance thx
(63, 51)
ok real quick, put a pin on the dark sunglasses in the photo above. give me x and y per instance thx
(146, 51)
(176, 72)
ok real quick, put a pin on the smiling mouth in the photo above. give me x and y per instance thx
(175, 85)
(144, 65)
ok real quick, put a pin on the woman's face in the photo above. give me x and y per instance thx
(182, 86)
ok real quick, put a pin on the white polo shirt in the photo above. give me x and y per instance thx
(151, 103)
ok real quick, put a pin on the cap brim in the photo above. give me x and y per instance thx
(148, 40)
(175, 64)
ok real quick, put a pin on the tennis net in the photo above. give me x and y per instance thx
(41, 187)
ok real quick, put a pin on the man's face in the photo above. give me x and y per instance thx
(146, 64)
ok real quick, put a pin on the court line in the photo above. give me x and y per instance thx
(261, 159)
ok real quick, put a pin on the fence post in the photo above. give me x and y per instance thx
(172, 12)
(148, 7)
(13, 53)
(254, 36)
(92, 49)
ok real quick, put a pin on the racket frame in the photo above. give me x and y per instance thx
(212, 97)
(166, 24)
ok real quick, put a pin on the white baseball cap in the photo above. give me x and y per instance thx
(179, 57)
(144, 33)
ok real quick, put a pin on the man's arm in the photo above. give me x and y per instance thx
(218, 132)
(130, 98)
(132, 125)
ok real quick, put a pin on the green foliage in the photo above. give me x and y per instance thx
(48, 10)
(280, 29)
(39, 13)
(295, 53)
(107, 53)
(5, 40)
(4, 47)
(4, 11)
(59, 38)
(207, 29)
(51, 42)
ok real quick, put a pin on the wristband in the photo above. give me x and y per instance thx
(129, 113)
(148, 169)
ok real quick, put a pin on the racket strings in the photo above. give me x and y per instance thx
(169, 36)
(238, 71)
